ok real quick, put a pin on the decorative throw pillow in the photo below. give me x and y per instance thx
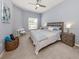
(53, 28)
(12, 36)
(7, 38)
(56, 28)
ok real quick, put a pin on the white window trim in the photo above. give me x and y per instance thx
(33, 24)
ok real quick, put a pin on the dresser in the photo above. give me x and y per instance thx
(68, 38)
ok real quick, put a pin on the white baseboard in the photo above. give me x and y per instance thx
(77, 45)
(1, 55)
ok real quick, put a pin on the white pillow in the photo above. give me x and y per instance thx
(56, 28)
(50, 28)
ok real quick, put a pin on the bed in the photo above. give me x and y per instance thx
(43, 37)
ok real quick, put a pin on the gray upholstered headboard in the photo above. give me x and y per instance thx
(57, 24)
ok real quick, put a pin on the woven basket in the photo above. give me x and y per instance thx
(9, 46)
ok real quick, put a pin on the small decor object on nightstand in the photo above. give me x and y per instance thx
(68, 38)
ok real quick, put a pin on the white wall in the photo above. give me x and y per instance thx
(26, 15)
(5, 28)
(67, 12)
(21, 17)
(18, 19)
(17, 14)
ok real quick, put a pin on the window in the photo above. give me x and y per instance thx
(32, 23)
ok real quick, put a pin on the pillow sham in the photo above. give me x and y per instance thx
(56, 28)
(50, 28)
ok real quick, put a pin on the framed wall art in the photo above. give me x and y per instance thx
(6, 15)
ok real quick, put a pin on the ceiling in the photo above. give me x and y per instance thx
(24, 4)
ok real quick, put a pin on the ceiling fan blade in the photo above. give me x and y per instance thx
(32, 4)
(36, 8)
(42, 5)
(38, 1)
(37, 4)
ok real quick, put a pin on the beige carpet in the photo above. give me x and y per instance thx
(54, 51)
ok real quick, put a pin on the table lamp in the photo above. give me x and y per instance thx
(68, 26)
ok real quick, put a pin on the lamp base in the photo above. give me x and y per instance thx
(68, 30)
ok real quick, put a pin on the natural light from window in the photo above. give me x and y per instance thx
(32, 23)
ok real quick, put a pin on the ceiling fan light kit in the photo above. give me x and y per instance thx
(37, 4)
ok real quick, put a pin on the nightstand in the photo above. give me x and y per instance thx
(68, 38)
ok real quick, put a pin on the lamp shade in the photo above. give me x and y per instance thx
(68, 25)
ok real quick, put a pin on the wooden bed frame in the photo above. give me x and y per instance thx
(40, 45)
(57, 24)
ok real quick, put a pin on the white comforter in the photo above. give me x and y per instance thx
(42, 38)
(40, 35)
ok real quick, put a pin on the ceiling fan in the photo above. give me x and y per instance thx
(37, 4)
